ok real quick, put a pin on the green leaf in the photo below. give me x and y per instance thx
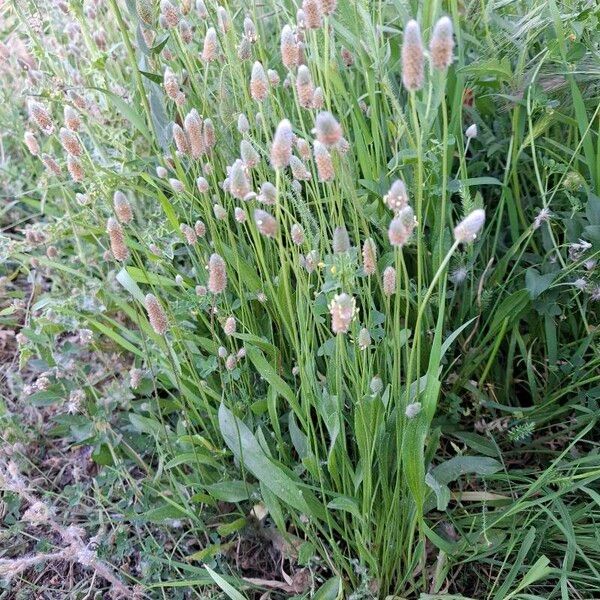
(146, 425)
(136, 119)
(230, 491)
(229, 590)
(330, 590)
(247, 450)
(346, 504)
(452, 469)
(536, 283)
(267, 371)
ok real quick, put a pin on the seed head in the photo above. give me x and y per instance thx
(176, 185)
(75, 169)
(289, 48)
(201, 290)
(249, 155)
(413, 59)
(39, 113)
(324, 163)
(341, 240)
(369, 256)
(466, 231)
(401, 227)
(376, 385)
(244, 49)
(318, 99)
(297, 234)
(169, 13)
(201, 9)
(347, 57)
(303, 148)
(259, 84)
(117, 239)
(31, 143)
(442, 44)
(239, 214)
(268, 193)
(312, 14)
(193, 130)
(161, 172)
(210, 49)
(389, 281)
(327, 129)
(364, 338)
(209, 135)
(471, 131)
(304, 87)
(219, 212)
(170, 84)
(69, 142)
(180, 139)
(186, 31)
(328, 6)
(397, 197)
(265, 223)
(342, 310)
(299, 170)
(239, 186)
(281, 150)
(231, 362)
(223, 19)
(202, 185)
(156, 314)
(243, 125)
(72, 120)
(82, 199)
(200, 228)
(250, 29)
(189, 233)
(273, 77)
(412, 410)
(122, 207)
(217, 274)
(229, 326)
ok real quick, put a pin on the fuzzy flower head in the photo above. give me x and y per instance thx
(192, 126)
(69, 142)
(217, 274)
(297, 234)
(442, 44)
(389, 281)
(250, 156)
(364, 338)
(32, 143)
(341, 240)
(72, 120)
(471, 131)
(268, 193)
(117, 239)
(369, 256)
(413, 59)
(397, 197)
(156, 314)
(324, 163)
(327, 129)
(343, 310)
(122, 207)
(299, 170)
(40, 115)
(466, 231)
(239, 186)
(210, 49)
(312, 14)
(259, 83)
(288, 48)
(281, 149)
(401, 227)
(265, 223)
(304, 87)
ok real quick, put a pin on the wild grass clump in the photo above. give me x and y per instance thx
(346, 255)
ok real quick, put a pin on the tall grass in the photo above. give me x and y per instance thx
(325, 328)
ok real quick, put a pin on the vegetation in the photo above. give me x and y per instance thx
(300, 300)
